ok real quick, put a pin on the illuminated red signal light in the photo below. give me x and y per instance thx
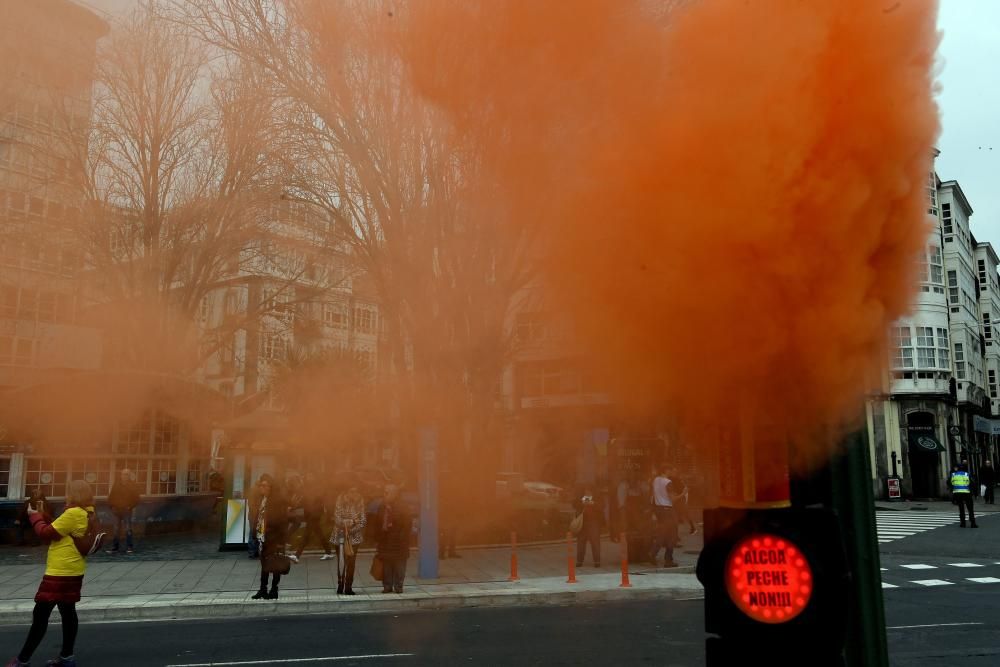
(768, 578)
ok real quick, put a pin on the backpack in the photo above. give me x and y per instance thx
(91, 540)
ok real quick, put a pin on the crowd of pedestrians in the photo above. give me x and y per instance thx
(649, 512)
(335, 518)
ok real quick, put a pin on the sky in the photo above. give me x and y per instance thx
(970, 108)
(969, 78)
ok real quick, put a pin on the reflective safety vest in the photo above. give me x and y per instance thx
(960, 482)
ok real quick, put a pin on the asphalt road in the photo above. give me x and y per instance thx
(653, 633)
(928, 625)
(954, 623)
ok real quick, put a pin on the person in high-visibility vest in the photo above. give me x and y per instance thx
(960, 489)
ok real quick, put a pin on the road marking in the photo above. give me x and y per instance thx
(930, 625)
(884, 569)
(897, 525)
(919, 566)
(965, 564)
(885, 585)
(289, 661)
(985, 580)
(932, 582)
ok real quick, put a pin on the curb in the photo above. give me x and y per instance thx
(118, 610)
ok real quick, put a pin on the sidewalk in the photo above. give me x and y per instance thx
(124, 587)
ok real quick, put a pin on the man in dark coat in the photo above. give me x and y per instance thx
(123, 499)
(393, 524)
(988, 478)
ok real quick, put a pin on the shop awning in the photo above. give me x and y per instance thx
(925, 441)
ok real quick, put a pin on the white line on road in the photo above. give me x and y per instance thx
(885, 585)
(930, 625)
(933, 582)
(965, 564)
(919, 566)
(289, 661)
(984, 580)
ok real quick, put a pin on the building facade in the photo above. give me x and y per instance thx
(48, 53)
(941, 383)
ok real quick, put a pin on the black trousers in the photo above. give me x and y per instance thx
(263, 579)
(345, 568)
(589, 534)
(40, 623)
(964, 500)
(989, 493)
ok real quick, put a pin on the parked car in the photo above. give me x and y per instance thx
(528, 494)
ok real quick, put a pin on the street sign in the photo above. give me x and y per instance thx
(768, 578)
(894, 493)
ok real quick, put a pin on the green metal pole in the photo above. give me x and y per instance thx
(853, 501)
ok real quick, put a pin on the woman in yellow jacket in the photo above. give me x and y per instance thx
(63, 579)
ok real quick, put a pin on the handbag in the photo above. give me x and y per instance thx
(377, 569)
(277, 564)
(91, 541)
(576, 525)
(348, 547)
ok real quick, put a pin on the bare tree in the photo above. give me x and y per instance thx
(401, 187)
(182, 188)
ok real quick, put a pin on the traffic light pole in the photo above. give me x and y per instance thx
(852, 499)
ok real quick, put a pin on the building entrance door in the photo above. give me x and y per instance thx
(924, 449)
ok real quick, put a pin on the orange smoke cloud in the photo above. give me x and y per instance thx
(732, 193)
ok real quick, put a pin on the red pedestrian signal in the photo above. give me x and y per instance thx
(768, 578)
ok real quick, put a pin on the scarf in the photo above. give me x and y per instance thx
(262, 520)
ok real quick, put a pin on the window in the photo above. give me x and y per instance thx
(993, 383)
(16, 351)
(925, 347)
(982, 273)
(364, 320)
(4, 477)
(164, 477)
(959, 361)
(48, 475)
(273, 346)
(194, 476)
(96, 472)
(135, 438)
(987, 327)
(903, 345)
(8, 301)
(47, 307)
(944, 350)
(530, 327)
(946, 219)
(335, 315)
(165, 435)
(937, 265)
(953, 287)
(28, 306)
(203, 310)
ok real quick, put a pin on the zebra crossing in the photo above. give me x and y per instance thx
(897, 525)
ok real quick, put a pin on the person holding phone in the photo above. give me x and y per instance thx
(63, 578)
(40, 503)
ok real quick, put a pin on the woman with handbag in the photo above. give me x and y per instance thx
(271, 529)
(64, 570)
(349, 521)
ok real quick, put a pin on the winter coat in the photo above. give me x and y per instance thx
(124, 497)
(394, 538)
(275, 525)
(350, 507)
